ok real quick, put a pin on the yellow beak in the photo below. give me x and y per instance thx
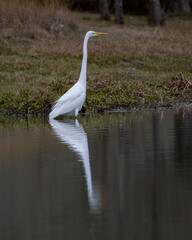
(100, 33)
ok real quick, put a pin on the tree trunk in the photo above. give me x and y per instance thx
(119, 12)
(156, 15)
(178, 6)
(104, 10)
(186, 6)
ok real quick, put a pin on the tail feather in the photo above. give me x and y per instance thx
(53, 114)
(55, 111)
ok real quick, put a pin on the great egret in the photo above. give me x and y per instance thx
(72, 101)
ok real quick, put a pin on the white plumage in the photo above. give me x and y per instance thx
(72, 101)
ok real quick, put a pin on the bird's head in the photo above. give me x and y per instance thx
(94, 34)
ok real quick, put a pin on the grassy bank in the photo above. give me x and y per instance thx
(134, 66)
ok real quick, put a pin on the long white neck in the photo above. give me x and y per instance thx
(83, 75)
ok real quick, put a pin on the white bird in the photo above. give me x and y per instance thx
(72, 101)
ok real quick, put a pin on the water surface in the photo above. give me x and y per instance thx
(114, 176)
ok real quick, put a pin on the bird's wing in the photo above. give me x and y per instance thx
(72, 99)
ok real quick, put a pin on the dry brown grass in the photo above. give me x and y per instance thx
(41, 52)
(181, 86)
(26, 19)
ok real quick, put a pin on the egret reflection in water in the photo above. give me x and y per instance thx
(73, 135)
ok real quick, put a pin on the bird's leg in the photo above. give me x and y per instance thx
(76, 112)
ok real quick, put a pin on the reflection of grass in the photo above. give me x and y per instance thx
(13, 122)
(41, 52)
(89, 121)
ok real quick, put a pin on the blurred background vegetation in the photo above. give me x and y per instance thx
(107, 8)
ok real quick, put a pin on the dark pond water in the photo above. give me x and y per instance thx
(119, 176)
